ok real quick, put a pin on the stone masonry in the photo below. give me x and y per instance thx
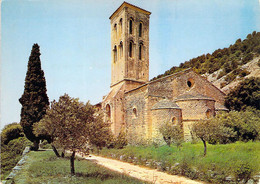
(139, 107)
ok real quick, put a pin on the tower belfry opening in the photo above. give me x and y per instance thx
(130, 27)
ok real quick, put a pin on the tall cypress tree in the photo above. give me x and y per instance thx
(34, 99)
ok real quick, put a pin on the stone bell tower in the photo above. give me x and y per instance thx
(129, 62)
(129, 44)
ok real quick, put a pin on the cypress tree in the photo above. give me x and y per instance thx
(34, 99)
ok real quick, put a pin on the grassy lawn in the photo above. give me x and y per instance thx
(238, 160)
(45, 167)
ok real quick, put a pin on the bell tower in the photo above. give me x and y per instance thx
(129, 60)
(129, 44)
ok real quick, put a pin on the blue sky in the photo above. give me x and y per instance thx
(74, 39)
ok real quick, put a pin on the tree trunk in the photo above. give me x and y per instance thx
(63, 154)
(35, 146)
(72, 158)
(55, 151)
(205, 147)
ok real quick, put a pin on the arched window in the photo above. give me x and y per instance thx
(141, 51)
(134, 112)
(140, 29)
(131, 26)
(115, 29)
(174, 120)
(121, 49)
(208, 113)
(120, 25)
(131, 49)
(115, 54)
(108, 111)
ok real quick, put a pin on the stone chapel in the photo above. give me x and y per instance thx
(139, 106)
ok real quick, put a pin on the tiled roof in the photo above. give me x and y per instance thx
(129, 5)
(165, 104)
(219, 106)
(192, 95)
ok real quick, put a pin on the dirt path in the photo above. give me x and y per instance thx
(142, 173)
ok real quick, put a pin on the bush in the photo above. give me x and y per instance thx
(257, 49)
(246, 93)
(246, 125)
(120, 141)
(230, 77)
(247, 58)
(11, 154)
(10, 132)
(221, 74)
(223, 84)
(172, 134)
(244, 73)
(243, 172)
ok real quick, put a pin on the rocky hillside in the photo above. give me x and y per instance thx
(251, 69)
(228, 66)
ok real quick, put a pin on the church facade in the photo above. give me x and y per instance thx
(139, 106)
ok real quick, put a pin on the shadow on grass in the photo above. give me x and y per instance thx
(101, 176)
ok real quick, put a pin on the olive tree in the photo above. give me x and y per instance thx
(212, 131)
(171, 133)
(74, 126)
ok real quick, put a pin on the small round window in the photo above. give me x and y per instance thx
(190, 82)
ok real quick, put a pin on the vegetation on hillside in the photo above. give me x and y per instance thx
(56, 170)
(34, 100)
(228, 59)
(236, 161)
(246, 93)
(13, 142)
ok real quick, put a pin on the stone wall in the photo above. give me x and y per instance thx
(160, 116)
(136, 111)
(143, 98)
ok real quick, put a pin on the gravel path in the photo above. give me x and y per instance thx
(142, 173)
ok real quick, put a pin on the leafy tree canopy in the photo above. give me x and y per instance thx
(73, 126)
(172, 134)
(229, 127)
(247, 93)
(10, 132)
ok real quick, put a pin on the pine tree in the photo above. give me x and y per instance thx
(34, 99)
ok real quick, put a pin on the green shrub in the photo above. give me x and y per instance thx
(11, 154)
(45, 145)
(10, 132)
(244, 73)
(246, 125)
(172, 134)
(245, 94)
(247, 58)
(223, 84)
(221, 74)
(243, 172)
(120, 141)
(230, 77)
(257, 49)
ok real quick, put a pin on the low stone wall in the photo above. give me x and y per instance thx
(17, 168)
